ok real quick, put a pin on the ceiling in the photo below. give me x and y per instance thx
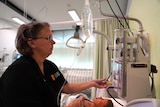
(55, 11)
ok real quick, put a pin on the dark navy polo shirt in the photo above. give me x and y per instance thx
(23, 84)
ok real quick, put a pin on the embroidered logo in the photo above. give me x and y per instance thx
(56, 75)
(52, 76)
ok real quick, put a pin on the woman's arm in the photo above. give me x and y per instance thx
(71, 88)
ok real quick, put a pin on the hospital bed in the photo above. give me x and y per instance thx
(77, 75)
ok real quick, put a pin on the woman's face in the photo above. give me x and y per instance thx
(44, 43)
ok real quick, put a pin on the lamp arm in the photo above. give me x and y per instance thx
(104, 35)
(129, 18)
(75, 47)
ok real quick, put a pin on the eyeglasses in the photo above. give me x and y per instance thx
(49, 38)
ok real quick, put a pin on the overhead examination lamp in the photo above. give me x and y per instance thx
(76, 36)
(86, 27)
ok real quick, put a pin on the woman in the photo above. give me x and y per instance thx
(32, 80)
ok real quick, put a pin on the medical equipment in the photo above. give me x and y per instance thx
(76, 36)
(130, 66)
(4, 57)
(87, 27)
(130, 62)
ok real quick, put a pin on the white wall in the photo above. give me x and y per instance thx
(62, 55)
(7, 43)
(67, 57)
(148, 12)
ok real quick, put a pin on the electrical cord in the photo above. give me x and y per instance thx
(107, 79)
(112, 87)
(59, 93)
(152, 80)
(122, 13)
(115, 14)
(124, 17)
(58, 96)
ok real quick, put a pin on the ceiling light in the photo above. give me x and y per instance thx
(74, 16)
(19, 21)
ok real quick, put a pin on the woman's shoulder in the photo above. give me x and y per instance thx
(18, 68)
(50, 63)
(21, 63)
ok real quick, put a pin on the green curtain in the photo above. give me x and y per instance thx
(102, 57)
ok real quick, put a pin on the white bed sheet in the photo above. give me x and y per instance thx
(66, 99)
(119, 100)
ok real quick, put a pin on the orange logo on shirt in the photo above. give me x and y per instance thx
(55, 75)
(52, 76)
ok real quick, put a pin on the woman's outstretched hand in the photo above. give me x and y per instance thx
(99, 83)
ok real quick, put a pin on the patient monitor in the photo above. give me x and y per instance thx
(131, 65)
